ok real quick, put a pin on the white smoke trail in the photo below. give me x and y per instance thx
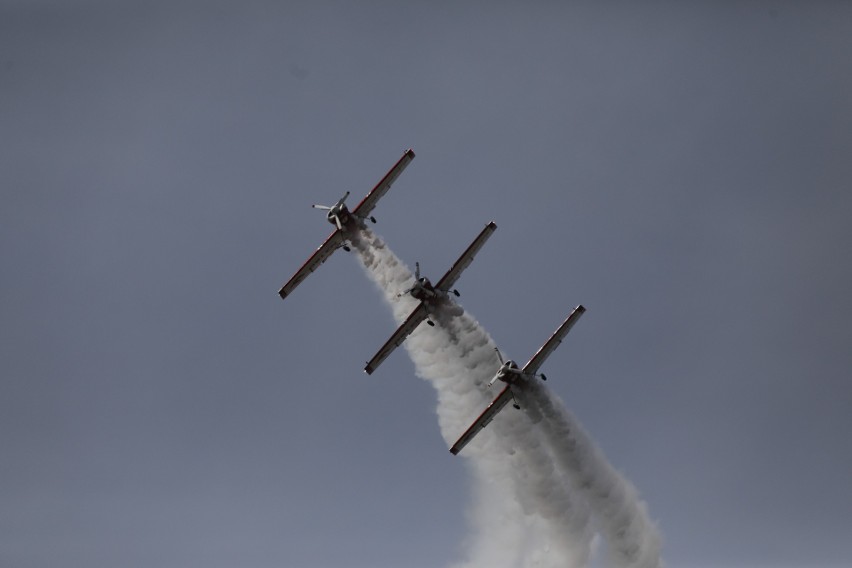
(622, 517)
(524, 511)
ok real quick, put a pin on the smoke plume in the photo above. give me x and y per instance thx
(542, 489)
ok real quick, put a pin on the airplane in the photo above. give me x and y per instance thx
(515, 378)
(430, 297)
(345, 222)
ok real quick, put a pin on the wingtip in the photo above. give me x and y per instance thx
(368, 369)
(282, 293)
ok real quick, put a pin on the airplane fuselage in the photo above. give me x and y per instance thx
(424, 291)
(508, 373)
(339, 212)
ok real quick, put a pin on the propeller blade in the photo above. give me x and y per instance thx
(337, 221)
(417, 270)
(498, 355)
(323, 207)
(342, 199)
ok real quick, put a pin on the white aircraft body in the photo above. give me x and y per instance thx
(430, 297)
(346, 221)
(516, 378)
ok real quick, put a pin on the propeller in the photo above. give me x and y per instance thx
(506, 367)
(336, 205)
(502, 362)
(416, 281)
(334, 210)
(497, 374)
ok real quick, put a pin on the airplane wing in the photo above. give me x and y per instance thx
(411, 322)
(369, 202)
(466, 258)
(487, 416)
(321, 255)
(554, 341)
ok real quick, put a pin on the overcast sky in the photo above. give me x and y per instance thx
(681, 169)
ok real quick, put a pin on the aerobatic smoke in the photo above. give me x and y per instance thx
(541, 487)
(622, 517)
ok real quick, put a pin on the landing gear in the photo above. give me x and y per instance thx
(543, 378)
(373, 219)
(431, 323)
(456, 292)
(346, 248)
(515, 402)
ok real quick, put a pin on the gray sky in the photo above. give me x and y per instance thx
(681, 169)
